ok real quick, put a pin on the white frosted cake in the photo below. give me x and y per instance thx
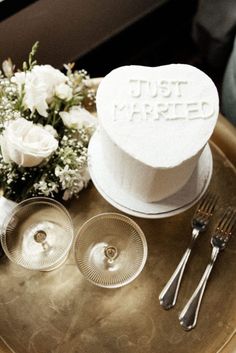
(154, 124)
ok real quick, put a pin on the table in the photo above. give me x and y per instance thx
(60, 311)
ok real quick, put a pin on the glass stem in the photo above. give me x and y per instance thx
(40, 237)
(45, 245)
(111, 253)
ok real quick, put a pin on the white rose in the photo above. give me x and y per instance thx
(63, 91)
(19, 78)
(49, 77)
(77, 118)
(39, 85)
(51, 130)
(25, 143)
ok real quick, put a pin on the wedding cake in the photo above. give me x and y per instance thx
(154, 124)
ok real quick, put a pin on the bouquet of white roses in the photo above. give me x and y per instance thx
(45, 127)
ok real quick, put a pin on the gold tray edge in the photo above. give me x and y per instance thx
(4, 347)
(219, 138)
(230, 345)
(224, 136)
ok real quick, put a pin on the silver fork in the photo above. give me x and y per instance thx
(200, 220)
(188, 316)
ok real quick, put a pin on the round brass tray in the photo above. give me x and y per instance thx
(60, 311)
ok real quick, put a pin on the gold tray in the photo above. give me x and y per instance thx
(60, 311)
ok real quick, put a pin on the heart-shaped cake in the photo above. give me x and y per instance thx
(154, 124)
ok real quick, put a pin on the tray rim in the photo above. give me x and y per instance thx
(220, 140)
(229, 346)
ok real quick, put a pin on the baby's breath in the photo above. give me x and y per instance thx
(64, 173)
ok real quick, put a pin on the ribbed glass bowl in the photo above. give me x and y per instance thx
(110, 250)
(38, 234)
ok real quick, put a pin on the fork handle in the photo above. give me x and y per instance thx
(188, 316)
(169, 293)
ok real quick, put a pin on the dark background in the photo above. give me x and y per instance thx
(102, 35)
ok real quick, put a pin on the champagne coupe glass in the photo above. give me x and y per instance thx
(110, 250)
(38, 234)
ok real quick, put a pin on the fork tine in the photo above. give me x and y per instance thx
(231, 226)
(203, 204)
(208, 202)
(206, 206)
(224, 218)
(212, 204)
(230, 223)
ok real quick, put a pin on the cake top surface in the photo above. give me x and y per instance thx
(160, 116)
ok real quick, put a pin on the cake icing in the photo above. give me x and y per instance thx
(154, 124)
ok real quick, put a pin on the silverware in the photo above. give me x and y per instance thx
(200, 220)
(188, 316)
